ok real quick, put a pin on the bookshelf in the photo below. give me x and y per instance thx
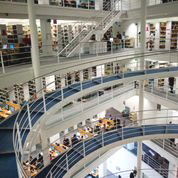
(174, 33)
(19, 93)
(32, 88)
(57, 82)
(162, 40)
(129, 43)
(4, 94)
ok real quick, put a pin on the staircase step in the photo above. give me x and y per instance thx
(8, 166)
(6, 140)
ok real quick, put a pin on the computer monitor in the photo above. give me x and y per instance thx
(11, 46)
(4, 46)
(12, 109)
(7, 107)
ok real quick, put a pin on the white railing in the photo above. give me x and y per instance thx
(87, 75)
(86, 34)
(146, 173)
(56, 170)
(167, 145)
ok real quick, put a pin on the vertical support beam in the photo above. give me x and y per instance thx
(2, 63)
(46, 36)
(45, 147)
(81, 76)
(141, 85)
(19, 140)
(29, 116)
(90, 73)
(34, 42)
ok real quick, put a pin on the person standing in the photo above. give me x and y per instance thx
(171, 83)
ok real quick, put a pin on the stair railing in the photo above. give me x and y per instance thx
(85, 34)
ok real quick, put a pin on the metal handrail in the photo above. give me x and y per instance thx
(167, 145)
(122, 134)
(41, 109)
(136, 55)
(125, 173)
(87, 33)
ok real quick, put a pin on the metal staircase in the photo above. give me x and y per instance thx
(167, 145)
(110, 17)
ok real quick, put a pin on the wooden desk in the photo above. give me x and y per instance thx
(60, 148)
(83, 133)
(15, 106)
(4, 113)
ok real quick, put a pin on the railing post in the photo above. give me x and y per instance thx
(67, 164)
(163, 143)
(44, 102)
(84, 154)
(19, 139)
(29, 116)
(2, 63)
(102, 137)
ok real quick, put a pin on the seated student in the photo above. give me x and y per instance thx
(74, 140)
(66, 142)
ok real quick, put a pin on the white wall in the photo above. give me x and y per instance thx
(133, 104)
(50, 82)
(123, 160)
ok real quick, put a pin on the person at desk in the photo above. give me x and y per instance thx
(66, 142)
(171, 83)
(74, 139)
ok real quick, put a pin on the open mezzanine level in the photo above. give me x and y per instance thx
(107, 80)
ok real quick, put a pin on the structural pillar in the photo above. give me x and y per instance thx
(81, 76)
(176, 86)
(141, 85)
(46, 36)
(90, 73)
(45, 148)
(34, 42)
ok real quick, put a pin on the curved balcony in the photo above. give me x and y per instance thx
(62, 164)
(32, 112)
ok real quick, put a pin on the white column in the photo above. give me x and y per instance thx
(90, 73)
(73, 77)
(176, 85)
(34, 42)
(114, 67)
(46, 36)
(26, 92)
(45, 148)
(63, 83)
(81, 75)
(141, 84)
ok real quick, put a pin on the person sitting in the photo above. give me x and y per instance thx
(66, 142)
(74, 140)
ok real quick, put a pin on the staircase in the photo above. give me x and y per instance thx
(167, 146)
(108, 20)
